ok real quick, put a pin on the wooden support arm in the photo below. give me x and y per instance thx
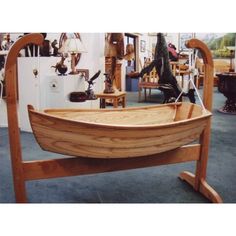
(198, 181)
(13, 125)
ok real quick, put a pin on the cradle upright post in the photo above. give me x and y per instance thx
(13, 125)
(198, 181)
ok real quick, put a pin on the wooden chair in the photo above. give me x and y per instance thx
(220, 66)
(148, 81)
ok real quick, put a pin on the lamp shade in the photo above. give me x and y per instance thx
(73, 45)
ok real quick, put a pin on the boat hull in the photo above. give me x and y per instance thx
(96, 140)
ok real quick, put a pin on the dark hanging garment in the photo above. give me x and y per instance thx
(167, 81)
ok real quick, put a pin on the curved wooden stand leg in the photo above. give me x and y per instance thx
(205, 189)
(13, 124)
(188, 177)
(198, 181)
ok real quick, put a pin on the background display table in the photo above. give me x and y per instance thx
(114, 97)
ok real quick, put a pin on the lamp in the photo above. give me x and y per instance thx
(73, 46)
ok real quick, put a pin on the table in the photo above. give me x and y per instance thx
(227, 86)
(114, 97)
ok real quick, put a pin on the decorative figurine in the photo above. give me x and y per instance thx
(55, 48)
(114, 50)
(61, 67)
(7, 42)
(89, 91)
(108, 84)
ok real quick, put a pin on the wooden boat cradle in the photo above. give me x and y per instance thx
(124, 133)
(43, 169)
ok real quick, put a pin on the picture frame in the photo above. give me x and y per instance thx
(183, 37)
(142, 45)
(222, 45)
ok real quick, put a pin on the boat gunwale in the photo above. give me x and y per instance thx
(117, 109)
(205, 114)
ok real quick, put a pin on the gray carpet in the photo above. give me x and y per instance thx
(148, 185)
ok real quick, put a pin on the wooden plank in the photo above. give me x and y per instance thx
(209, 192)
(13, 126)
(207, 101)
(122, 134)
(205, 189)
(72, 166)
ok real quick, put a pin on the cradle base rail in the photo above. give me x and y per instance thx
(204, 188)
(75, 166)
(44, 169)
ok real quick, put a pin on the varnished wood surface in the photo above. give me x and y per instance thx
(113, 98)
(13, 124)
(205, 189)
(117, 74)
(64, 135)
(137, 116)
(199, 178)
(82, 166)
(148, 81)
(126, 133)
(110, 95)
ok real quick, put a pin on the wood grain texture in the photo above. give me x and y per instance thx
(81, 166)
(126, 133)
(205, 189)
(200, 174)
(12, 115)
(150, 136)
(113, 98)
(207, 101)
